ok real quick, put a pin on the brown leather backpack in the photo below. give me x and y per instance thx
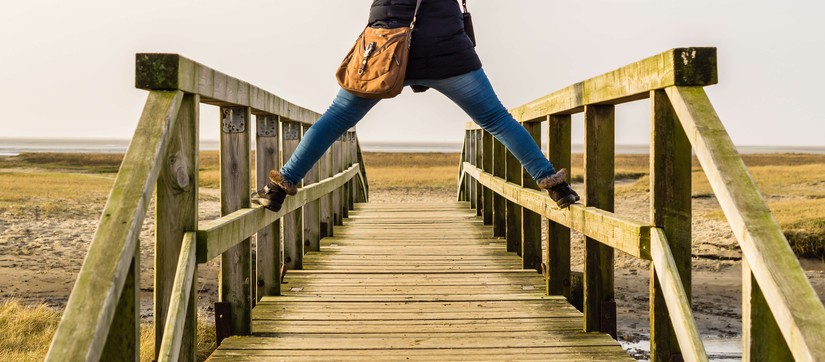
(377, 63)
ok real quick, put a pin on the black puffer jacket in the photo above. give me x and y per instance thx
(440, 48)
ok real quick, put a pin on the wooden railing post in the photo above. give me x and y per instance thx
(353, 157)
(471, 158)
(530, 221)
(762, 339)
(479, 148)
(327, 219)
(487, 166)
(513, 174)
(293, 223)
(365, 183)
(599, 172)
(176, 213)
(337, 197)
(558, 236)
(499, 202)
(269, 238)
(312, 211)
(670, 189)
(236, 263)
(123, 340)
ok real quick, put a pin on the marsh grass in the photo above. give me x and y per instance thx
(28, 332)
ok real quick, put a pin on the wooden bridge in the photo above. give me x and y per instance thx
(441, 282)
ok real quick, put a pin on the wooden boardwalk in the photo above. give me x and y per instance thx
(421, 282)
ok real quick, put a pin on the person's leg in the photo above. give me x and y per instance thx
(346, 110)
(475, 95)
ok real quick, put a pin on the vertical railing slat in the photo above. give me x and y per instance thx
(499, 204)
(312, 211)
(558, 236)
(292, 222)
(268, 242)
(487, 166)
(670, 209)
(530, 221)
(479, 149)
(599, 173)
(236, 263)
(513, 174)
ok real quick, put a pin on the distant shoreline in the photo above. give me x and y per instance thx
(16, 146)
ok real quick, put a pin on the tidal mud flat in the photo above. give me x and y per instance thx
(45, 231)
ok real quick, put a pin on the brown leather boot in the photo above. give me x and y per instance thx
(559, 190)
(272, 195)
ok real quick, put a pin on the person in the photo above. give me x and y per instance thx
(442, 57)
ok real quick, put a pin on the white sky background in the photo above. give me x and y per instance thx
(67, 67)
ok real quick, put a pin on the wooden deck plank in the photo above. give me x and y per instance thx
(416, 282)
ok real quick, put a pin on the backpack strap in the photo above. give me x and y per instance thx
(417, 5)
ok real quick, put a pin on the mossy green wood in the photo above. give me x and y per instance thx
(558, 235)
(235, 285)
(680, 66)
(175, 329)
(670, 209)
(513, 211)
(268, 242)
(176, 213)
(761, 337)
(599, 170)
(499, 202)
(792, 300)
(677, 299)
(217, 236)
(292, 222)
(123, 341)
(92, 306)
(531, 221)
(175, 72)
(312, 211)
(618, 232)
(487, 166)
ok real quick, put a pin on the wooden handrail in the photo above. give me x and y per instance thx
(793, 302)
(217, 236)
(84, 328)
(619, 232)
(176, 318)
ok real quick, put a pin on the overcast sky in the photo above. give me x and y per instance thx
(67, 67)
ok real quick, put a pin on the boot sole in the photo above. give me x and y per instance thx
(266, 203)
(566, 201)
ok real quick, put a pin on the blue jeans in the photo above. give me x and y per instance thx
(471, 91)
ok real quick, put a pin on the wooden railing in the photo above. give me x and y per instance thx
(783, 319)
(102, 317)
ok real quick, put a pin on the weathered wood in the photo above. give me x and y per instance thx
(799, 313)
(599, 168)
(487, 166)
(499, 202)
(618, 232)
(292, 222)
(531, 221)
(677, 299)
(327, 220)
(353, 147)
(312, 212)
(175, 72)
(92, 305)
(365, 183)
(268, 242)
(123, 340)
(462, 182)
(217, 236)
(235, 285)
(558, 235)
(513, 210)
(176, 213)
(670, 209)
(174, 331)
(345, 189)
(337, 166)
(471, 158)
(479, 150)
(761, 337)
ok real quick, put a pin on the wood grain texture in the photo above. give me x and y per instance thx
(293, 223)
(487, 166)
(175, 72)
(599, 171)
(558, 236)
(312, 211)
(418, 306)
(91, 307)
(235, 283)
(677, 300)
(174, 331)
(531, 221)
(499, 202)
(670, 209)
(513, 171)
(798, 311)
(268, 242)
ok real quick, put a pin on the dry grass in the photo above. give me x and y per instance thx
(399, 171)
(52, 193)
(28, 332)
